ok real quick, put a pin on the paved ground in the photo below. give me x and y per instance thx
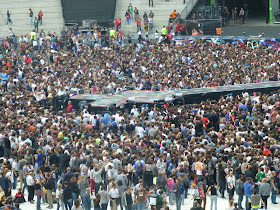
(253, 27)
(222, 204)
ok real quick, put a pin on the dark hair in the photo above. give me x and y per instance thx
(255, 191)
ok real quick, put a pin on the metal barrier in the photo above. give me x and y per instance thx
(208, 26)
(185, 12)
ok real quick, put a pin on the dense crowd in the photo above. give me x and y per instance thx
(127, 157)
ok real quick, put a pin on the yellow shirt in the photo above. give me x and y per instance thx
(164, 31)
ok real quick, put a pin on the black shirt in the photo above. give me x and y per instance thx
(7, 143)
(67, 193)
(128, 198)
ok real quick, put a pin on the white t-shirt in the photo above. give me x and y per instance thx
(231, 181)
(114, 193)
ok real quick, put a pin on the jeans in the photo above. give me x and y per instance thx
(97, 186)
(246, 201)
(15, 184)
(68, 204)
(30, 192)
(104, 206)
(198, 178)
(74, 197)
(36, 28)
(264, 198)
(9, 20)
(214, 199)
(128, 207)
(24, 185)
(38, 203)
(240, 199)
(222, 187)
(231, 193)
(141, 205)
(120, 202)
(273, 195)
(31, 21)
(171, 196)
(178, 203)
(60, 204)
(127, 20)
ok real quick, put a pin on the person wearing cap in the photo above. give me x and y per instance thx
(68, 175)
(195, 193)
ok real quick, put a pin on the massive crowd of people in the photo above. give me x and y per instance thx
(128, 157)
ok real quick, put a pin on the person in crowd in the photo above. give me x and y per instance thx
(38, 192)
(59, 196)
(30, 182)
(114, 196)
(77, 205)
(9, 20)
(127, 200)
(178, 190)
(212, 192)
(239, 189)
(140, 197)
(96, 202)
(256, 200)
(40, 17)
(231, 182)
(67, 196)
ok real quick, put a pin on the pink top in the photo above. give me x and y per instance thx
(170, 183)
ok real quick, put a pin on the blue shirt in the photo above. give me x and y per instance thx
(244, 107)
(248, 190)
(4, 77)
(179, 189)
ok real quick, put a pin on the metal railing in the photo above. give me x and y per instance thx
(185, 12)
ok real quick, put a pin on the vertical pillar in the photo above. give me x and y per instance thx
(270, 12)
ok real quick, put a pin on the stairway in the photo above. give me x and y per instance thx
(52, 16)
(162, 10)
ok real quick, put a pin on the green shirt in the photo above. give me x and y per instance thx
(130, 8)
(98, 141)
(260, 176)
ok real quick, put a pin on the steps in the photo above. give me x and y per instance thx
(162, 10)
(52, 16)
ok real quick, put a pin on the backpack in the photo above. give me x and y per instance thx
(239, 187)
(159, 201)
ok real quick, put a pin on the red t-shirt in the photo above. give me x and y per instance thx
(169, 36)
(205, 120)
(266, 151)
